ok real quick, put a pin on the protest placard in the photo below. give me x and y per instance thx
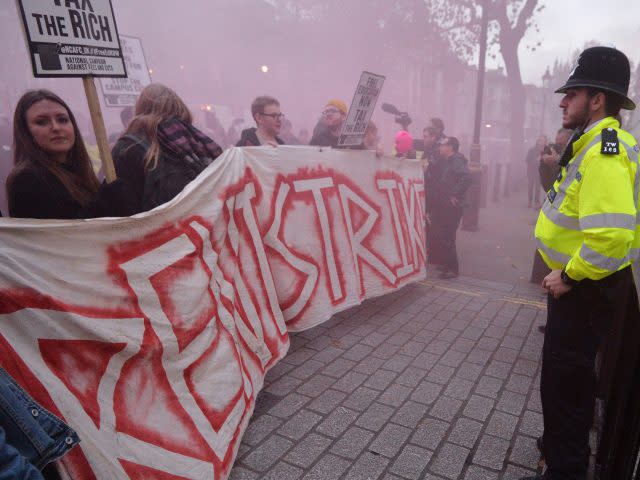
(361, 109)
(72, 38)
(123, 92)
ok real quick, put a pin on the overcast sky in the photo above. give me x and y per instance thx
(566, 25)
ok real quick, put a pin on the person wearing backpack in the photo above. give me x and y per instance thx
(161, 151)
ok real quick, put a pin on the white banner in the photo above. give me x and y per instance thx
(151, 335)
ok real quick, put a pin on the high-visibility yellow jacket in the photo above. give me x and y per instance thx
(589, 224)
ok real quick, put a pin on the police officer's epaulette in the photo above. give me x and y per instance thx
(610, 143)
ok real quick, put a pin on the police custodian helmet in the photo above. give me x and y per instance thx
(604, 68)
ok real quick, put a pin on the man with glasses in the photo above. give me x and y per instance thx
(268, 117)
(328, 129)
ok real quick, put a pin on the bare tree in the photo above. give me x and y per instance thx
(509, 21)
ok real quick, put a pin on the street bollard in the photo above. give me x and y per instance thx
(475, 197)
(496, 182)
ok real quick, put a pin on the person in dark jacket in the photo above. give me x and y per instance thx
(533, 161)
(327, 131)
(161, 151)
(52, 175)
(449, 183)
(268, 117)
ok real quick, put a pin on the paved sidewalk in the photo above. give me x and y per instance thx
(439, 380)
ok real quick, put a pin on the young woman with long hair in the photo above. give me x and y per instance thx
(161, 151)
(52, 175)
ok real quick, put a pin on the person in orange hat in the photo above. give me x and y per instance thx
(328, 129)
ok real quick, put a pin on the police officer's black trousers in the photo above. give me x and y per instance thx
(577, 325)
(444, 226)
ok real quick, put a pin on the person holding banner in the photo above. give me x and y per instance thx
(52, 175)
(328, 129)
(161, 151)
(269, 119)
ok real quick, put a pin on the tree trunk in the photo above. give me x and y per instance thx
(509, 50)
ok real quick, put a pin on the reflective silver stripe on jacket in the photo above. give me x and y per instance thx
(554, 254)
(607, 263)
(608, 220)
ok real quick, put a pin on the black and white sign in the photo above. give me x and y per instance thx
(123, 92)
(364, 101)
(72, 38)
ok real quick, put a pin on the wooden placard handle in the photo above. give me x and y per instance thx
(99, 129)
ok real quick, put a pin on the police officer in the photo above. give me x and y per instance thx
(588, 235)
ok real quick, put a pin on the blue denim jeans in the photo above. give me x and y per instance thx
(30, 436)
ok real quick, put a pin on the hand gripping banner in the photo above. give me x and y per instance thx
(151, 335)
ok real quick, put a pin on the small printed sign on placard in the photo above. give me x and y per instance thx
(364, 101)
(72, 38)
(123, 92)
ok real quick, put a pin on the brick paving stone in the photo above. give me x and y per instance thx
(395, 395)
(350, 382)
(478, 473)
(316, 385)
(368, 467)
(478, 407)
(299, 425)
(289, 405)
(488, 343)
(498, 369)
(327, 401)
(491, 452)
(239, 473)
(519, 383)
(516, 473)
(410, 414)
(430, 433)
(307, 451)
(411, 462)
(328, 355)
(412, 348)
(531, 353)
(345, 341)
(352, 443)
(531, 424)
(399, 338)
(398, 363)
(478, 356)
(278, 370)
(465, 432)
(267, 453)
(495, 332)
(357, 352)
(411, 377)
(369, 365)
(425, 360)
(453, 358)
(389, 441)
(535, 403)
(374, 339)
(459, 388)
(436, 326)
(259, 428)
(300, 356)
(489, 386)
(361, 398)
(320, 343)
(512, 342)
(337, 422)
(283, 471)
(472, 333)
(440, 374)
(502, 425)
(386, 351)
(380, 379)
(525, 452)
(445, 408)
(505, 354)
(438, 347)
(469, 371)
(375, 417)
(525, 367)
(307, 369)
(511, 402)
(450, 461)
(283, 386)
(339, 367)
(426, 392)
(329, 467)
(448, 335)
